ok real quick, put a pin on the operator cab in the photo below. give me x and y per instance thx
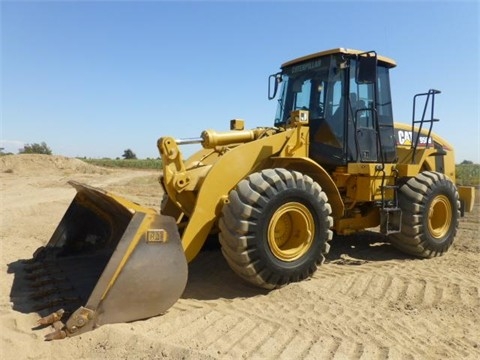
(347, 94)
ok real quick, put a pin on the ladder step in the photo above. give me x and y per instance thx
(390, 220)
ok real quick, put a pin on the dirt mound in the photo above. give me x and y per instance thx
(34, 164)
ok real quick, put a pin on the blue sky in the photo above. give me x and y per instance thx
(95, 78)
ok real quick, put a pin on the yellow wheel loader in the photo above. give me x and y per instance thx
(333, 161)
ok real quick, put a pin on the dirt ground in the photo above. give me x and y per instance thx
(368, 301)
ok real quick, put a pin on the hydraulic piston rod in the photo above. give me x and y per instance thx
(189, 141)
(211, 138)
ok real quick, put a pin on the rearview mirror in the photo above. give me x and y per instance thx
(276, 79)
(366, 68)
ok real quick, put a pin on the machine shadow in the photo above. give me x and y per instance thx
(366, 246)
(210, 278)
(22, 294)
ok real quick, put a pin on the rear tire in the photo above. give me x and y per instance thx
(275, 227)
(430, 213)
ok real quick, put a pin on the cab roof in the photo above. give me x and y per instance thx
(389, 63)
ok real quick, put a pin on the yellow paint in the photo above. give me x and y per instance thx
(358, 222)
(467, 195)
(291, 231)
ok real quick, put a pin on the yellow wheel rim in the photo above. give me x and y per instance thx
(290, 231)
(439, 217)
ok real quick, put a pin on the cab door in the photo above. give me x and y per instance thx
(370, 120)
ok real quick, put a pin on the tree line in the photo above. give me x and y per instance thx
(43, 148)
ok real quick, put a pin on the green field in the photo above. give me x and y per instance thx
(468, 174)
(130, 164)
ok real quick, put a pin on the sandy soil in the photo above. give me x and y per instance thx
(368, 301)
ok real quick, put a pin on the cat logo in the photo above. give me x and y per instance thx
(405, 137)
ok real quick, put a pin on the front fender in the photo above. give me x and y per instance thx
(226, 172)
(309, 167)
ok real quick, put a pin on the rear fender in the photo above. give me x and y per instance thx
(467, 197)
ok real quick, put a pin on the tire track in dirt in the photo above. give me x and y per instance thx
(395, 281)
(354, 312)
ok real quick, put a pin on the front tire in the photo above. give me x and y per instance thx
(430, 214)
(275, 227)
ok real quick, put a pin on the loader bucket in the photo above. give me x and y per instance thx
(109, 261)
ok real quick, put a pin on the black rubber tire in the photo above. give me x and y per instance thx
(247, 217)
(430, 213)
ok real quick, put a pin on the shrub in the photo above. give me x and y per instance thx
(129, 155)
(35, 148)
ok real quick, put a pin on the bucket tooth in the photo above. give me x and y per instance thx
(51, 318)
(58, 325)
(56, 335)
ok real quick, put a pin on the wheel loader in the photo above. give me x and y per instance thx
(333, 161)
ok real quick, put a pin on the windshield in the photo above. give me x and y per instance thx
(319, 86)
(306, 86)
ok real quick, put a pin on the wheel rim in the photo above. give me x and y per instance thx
(439, 217)
(290, 231)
